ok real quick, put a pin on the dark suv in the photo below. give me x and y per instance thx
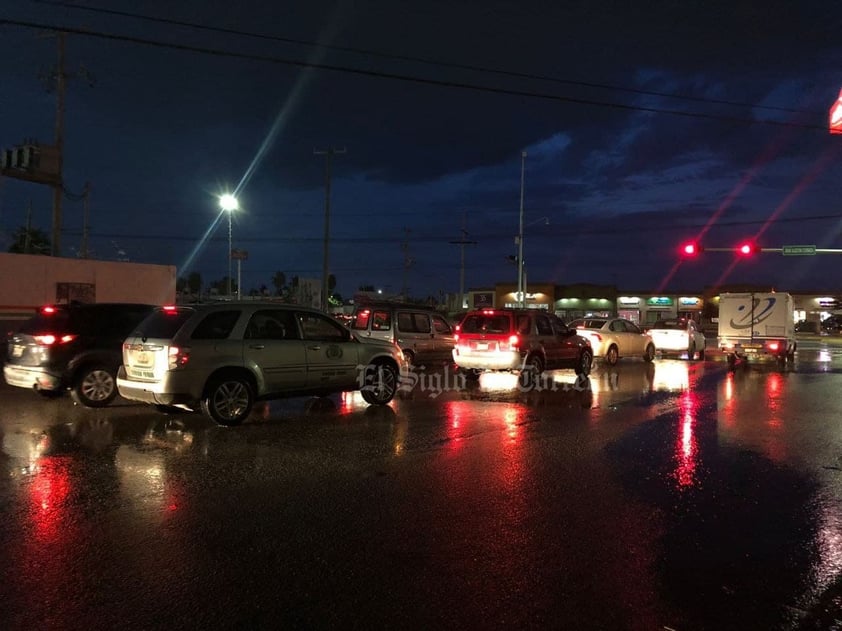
(76, 346)
(526, 341)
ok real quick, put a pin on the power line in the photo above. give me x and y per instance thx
(414, 59)
(406, 78)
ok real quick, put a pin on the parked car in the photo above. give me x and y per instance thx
(76, 347)
(832, 324)
(519, 340)
(222, 358)
(808, 326)
(675, 336)
(613, 338)
(423, 334)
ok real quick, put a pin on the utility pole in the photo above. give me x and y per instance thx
(462, 243)
(407, 263)
(329, 153)
(58, 188)
(86, 201)
(520, 290)
(27, 240)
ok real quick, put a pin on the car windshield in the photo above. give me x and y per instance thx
(486, 323)
(670, 324)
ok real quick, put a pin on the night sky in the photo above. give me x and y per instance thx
(645, 124)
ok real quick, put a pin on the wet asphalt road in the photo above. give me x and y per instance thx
(677, 495)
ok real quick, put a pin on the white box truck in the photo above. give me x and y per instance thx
(756, 325)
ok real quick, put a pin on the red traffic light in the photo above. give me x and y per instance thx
(747, 249)
(691, 249)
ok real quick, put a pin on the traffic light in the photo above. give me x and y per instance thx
(747, 249)
(691, 249)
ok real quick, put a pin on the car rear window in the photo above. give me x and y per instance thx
(56, 322)
(163, 323)
(588, 324)
(669, 324)
(486, 323)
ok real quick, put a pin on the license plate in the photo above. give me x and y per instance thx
(482, 346)
(143, 359)
(17, 350)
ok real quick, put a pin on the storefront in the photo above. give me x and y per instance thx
(628, 307)
(658, 308)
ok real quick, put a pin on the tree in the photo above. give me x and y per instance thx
(221, 286)
(279, 280)
(31, 241)
(366, 287)
(180, 284)
(194, 283)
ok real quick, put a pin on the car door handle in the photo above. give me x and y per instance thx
(257, 346)
(315, 348)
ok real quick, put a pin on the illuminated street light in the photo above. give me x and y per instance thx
(229, 204)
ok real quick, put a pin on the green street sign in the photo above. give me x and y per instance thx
(799, 250)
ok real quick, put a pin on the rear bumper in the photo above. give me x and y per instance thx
(31, 378)
(164, 392)
(488, 361)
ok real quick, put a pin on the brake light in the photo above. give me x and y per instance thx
(48, 309)
(773, 346)
(48, 339)
(170, 309)
(455, 337)
(596, 336)
(514, 341)
(177, 357)
(488, 311)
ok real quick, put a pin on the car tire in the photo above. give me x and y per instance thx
(691, 351)
(649, 353)
(471, 374)
(584, 363)
(228, 400)
(529, 373)
(381, 384)
(612, 355)
(94, 386)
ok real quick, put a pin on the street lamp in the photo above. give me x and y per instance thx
(229, 204)
(520, 236)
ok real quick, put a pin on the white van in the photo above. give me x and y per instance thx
(423, 334)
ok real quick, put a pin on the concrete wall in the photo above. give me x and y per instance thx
(28, 281)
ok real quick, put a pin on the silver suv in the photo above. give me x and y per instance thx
(224, 357)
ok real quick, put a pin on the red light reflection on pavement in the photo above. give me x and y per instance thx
(686, 446)
(48, 493)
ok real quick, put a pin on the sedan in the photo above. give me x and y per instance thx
(613, 338)
(675, 336)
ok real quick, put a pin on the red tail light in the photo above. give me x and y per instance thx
(455, 337)
(773, 346)
(170, 309)
(177, 357)
(514, 341)
(48, 339)
(48, 309)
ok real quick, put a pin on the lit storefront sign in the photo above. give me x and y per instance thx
(628, 301)
(690, 302)
(483, 300)
(659, 301)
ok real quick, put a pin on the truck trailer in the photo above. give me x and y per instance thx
(756, 325)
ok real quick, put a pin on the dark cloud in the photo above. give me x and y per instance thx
(643, 122)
